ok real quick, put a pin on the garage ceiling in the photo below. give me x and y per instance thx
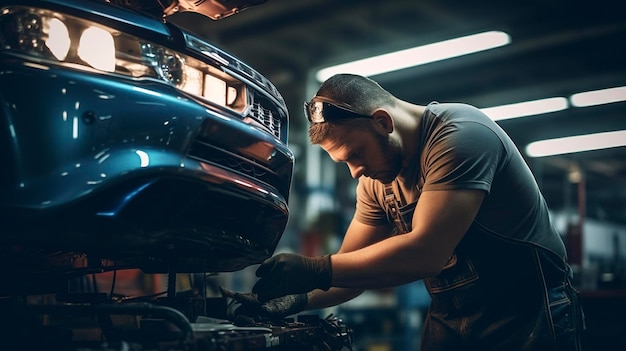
(557, 48)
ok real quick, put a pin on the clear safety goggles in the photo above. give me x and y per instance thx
(321, 109)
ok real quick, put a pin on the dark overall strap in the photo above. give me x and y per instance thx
(393, 206)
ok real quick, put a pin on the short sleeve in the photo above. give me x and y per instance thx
(369, 209)
(462, 155)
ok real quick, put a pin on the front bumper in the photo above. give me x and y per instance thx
(133, 172)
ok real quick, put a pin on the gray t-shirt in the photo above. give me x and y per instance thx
(461, 148)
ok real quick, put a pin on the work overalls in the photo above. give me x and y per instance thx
(496, 293)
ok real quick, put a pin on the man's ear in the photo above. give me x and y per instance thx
(383, 119)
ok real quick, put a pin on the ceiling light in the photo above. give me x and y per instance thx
(599, 97)
(526, 108)
(577, 143)
(418, 55)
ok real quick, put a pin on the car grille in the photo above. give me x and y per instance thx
(266, 117)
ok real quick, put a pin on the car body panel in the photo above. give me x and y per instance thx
(103, 171)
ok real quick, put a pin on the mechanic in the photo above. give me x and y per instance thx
(445, 196)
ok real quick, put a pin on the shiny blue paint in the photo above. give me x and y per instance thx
(135, 170)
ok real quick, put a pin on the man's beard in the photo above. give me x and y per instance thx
(392, 152)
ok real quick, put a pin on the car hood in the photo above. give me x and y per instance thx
(214, 9)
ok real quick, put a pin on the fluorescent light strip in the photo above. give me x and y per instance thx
(418, 55)
(536, 107)
(598, 97)
(527, 108)
(577, 143)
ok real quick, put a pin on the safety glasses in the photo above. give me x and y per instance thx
(321, 109)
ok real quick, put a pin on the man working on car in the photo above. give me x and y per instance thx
(443, 195)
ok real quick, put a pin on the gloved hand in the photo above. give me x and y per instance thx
(286, 274)
(278, 308)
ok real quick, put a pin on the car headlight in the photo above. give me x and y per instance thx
(56, 38)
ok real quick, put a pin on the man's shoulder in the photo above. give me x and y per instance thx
(452, 107)
(455, 113)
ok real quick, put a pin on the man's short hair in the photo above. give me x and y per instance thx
(362, 93)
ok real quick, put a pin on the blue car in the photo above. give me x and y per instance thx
(129, 142)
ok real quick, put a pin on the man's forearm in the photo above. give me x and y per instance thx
(318, 299)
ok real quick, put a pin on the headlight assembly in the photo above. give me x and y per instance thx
(56, 38)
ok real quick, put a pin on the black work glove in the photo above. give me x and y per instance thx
(286, 274)
(279, 308)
